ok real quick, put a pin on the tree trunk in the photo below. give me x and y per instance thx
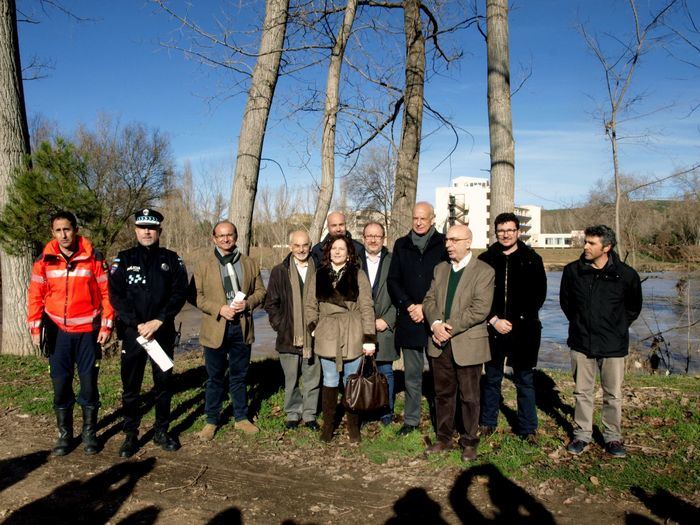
(330, 118)
(14, 146)
(500, 116)
(257, 111)
(409, 150)
(612, 134)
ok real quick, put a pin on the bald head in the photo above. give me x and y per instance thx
(299, 245)
(336, 223)
(423, 217)
(458, 242)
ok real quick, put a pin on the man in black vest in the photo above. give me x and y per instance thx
(414, 258)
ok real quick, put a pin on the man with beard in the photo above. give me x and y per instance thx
(336, 225)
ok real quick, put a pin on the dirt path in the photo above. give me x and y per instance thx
(232, 481)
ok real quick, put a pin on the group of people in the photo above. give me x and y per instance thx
(331, 305)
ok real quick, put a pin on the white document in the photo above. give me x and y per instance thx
(237, 298)
(156, 352)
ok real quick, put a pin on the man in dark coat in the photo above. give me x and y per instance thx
(514, 325)
(147, 287)
(376, 264)
(335, 223)
(284, 303)
(601, 296)
(414, 258)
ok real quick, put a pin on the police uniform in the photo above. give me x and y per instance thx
(146, 283)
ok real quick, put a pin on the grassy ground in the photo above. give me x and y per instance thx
(661, 425)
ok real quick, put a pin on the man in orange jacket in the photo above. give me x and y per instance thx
(69, 305)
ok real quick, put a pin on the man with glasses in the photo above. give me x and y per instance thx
(284, 303)
(413, 260)
(514, 325)
(229, 287)
(456, 308)
(148, 287)
(376, 264)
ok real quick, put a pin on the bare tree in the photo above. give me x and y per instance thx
(371, 184)
(255, 115)
(502, 145)
(330, 118)
(406, 180)
(14, 146)
(619, 69)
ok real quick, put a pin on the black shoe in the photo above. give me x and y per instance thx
(530, 438)
(64, 422)
(386, 419)
(130, 445)
(312, 425)
(166, 441)
(615, 448)
(406, 429)
(577, 447)
(291, 424)
(90, 443)
(486, 430)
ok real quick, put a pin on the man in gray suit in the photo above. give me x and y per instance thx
(375, 263)
(456, 307)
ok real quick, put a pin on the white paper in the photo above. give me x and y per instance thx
(156, 352)
(240, 296)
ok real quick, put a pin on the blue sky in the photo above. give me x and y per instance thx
(115, 64)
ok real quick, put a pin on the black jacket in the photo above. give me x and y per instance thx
(600, 306)
(145, 284)
(279, 307)
(317, 250)
(520, 292)
(410, 275)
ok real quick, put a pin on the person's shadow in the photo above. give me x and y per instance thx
(95, 500)
(664, 505)
(16, 469)
(548, 400)
(416, 507)
(513, 505)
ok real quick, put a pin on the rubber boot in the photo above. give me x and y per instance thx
(64, 422)
(329, 401)
(353, 420)
(90, 444)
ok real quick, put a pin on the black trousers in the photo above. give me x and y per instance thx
(450, 380)
(71, 351)
(133, 366)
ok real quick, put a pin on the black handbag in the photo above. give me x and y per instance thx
(366, 393)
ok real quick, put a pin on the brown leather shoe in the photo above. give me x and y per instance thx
(440, 446)
(246, 426)
(468, 453)
(207, 433)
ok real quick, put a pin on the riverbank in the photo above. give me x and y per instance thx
(280, 475)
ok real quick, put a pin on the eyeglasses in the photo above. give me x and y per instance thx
(503, 232)
(374, 237)
(455, 240)
(225, 236)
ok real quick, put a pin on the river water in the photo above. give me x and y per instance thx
(662, 311)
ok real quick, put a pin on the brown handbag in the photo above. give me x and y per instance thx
(366, 393)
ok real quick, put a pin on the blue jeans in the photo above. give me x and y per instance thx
(237, 353)
(525, 392)
(331, 377)
(386, 368)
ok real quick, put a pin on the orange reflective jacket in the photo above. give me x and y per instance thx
(73, 293)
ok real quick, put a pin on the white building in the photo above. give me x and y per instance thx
(469, 199)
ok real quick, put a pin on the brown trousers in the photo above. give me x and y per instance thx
(450, 379)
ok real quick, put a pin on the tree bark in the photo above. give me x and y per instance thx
(14, 146)
(408, 156)
(330, 119)
(500, 116)
(254, 124)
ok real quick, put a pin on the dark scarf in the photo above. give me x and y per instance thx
(230, 272)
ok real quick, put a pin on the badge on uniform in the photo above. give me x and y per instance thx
(164, 267)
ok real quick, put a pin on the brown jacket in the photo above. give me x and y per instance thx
(470, 308)
(341, 318)
(211, 297)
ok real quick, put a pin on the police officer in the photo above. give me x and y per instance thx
(148, 287)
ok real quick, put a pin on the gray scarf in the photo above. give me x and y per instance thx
(302, 337)
(421, 241)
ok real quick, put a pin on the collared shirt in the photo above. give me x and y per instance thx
(373, 266)
(461, 264)
(302, 268)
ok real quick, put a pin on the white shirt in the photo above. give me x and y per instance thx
(302, 268)
(373, 266)
(461, 264)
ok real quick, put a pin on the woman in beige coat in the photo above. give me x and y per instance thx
(340, 316)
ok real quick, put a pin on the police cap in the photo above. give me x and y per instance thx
(147, 217)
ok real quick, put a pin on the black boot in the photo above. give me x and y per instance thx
(329, 401)
(353, 419)
(166, 441)
(90, 443)
(130, 445)
(64, 422)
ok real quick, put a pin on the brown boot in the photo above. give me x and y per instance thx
(353, 419)
(329, 401)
